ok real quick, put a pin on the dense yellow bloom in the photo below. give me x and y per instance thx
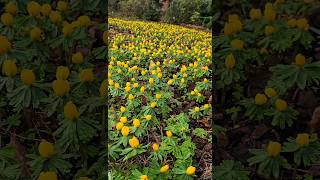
(155, 147)
(45, 148)
(125, 131)
(142, 89)
(270, 92)
(230, 61)
(273, 149)
(11, 8)
(255, 14)
(5, 45)
(237, 44)
(127, 88)
(292, 23)
(60, 87)
(119, 126)
(27, 76)
(77, 58)
(281, 105)
(190, 170)
(7, 19)
(260, 99)
(70, 111)
(148, 117)
(86, 75)
(62, 5)
(49, 175)
(302, 24)
(164, 169)
(144, 177)
(136, 123)
(303, 139)
(67, 29)
(300, 60)
(123, 119)
(33, 8)
(269, 13)
(153, 104)
(122, 109)
(135, 85)
(197, 109)
(35, 34)
(134, 142)
(269, 30)
(151, 80)
(84, 21)
(55, 17)
(62, 72)
(45, 9)
(169, 133)
(9, 68)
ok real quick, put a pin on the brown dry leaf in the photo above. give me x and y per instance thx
(205, 122)
(315, 121)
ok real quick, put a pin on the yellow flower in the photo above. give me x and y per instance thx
(55, 17)
(7, 19)
(269, 30)
(111, 82)
(303, 139)
(123, 119)
(237, 44)
(148, 117)
(151, 80)
(27, 76)
(35, 34)
(45, 149)
(233, 18)
(273, 149)
(33, 8)
(134, 142)
(117, 85)
(127, 88)
(119, 126)
(158, 96)
(135, 85)
(103, 88)
(11, 8)
(70, 111)
(9, 68)
(62, 72)
(125, 131)
(292, 23)
(196, 109)
(86, 75)
(49, 175)
(263, 51)
(270, 92)
(136, 123)
(155, 147)
(281, 105)
(130, 97)
(5, 45)
(190, 170)
(45, 9)
(169, 133)
(144, 177)
(300, 60)
(142, 89)
(205, 80)
(159, 75)
(122, 109)
(260, 99)
(67, 29)
(230, 61)
(302, 24)
(84, 21)
(269, 13)
(62, 5)
(164, 169)
(153, 104)
(255, 14)
(206, 106)
(77, 58)
(60, 87)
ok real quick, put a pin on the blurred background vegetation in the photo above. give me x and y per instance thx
(195, 12)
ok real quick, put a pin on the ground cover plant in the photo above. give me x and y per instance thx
(52, 98)
(159, 110)
(267, 92)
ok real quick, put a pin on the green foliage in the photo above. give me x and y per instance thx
(230, 170)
